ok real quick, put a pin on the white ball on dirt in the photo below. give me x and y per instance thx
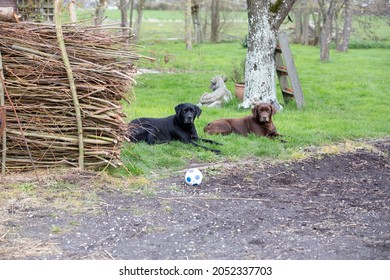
(193, 177)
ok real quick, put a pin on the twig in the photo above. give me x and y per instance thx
(3, 119)
(219, 198)
(109, 254)
(5, 234)
(64, 54)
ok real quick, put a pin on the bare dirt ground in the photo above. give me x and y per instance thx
(331, 205)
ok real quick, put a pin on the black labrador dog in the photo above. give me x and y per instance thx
(176, 127)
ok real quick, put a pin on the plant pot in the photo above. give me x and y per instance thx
(239, 91)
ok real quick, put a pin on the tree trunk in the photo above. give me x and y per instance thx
(72, 11)
(305, 27)
(326, 33)
(343, 47)
(205, 25)
(260, 64)
(195, 8)
(137, 25)
(131, 3)
(298, 24)
(99, 13)
(335, 25)
(263, 21)
(317, 27)
(123, 9)
(215, 20)
(188, 37)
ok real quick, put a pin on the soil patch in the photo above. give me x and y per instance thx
(323, 207)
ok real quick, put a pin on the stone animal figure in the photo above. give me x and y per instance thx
(219, 95)
(176, 127)
(259, 123)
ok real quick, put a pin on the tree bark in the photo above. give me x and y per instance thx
(137, 25)
(131, 10)
(99, 13)
(326, 33)
(305, 27)
(72, 11)
(195, 8)
(279, 11)
(123, 8)
(264, 22)
(348, 13)
(188, 37)
(215, 20)
(298, 24)
(260, 64)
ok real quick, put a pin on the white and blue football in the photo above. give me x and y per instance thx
(193, 177)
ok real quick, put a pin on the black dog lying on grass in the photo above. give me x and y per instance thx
(176, 127)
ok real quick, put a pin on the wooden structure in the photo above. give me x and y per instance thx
(8, 3)
(8, 11)
(42, 126)
(35, 10)
(27, 10)
(287, 73)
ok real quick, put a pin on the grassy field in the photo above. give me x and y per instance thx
(346, 99)
(160, 25)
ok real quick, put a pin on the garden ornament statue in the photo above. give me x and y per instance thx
(219, 95)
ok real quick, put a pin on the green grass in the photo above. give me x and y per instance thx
(157, 25)
(346, 99)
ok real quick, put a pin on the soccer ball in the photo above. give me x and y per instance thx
(193, 177)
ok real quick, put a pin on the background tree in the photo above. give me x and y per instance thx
(188, 34)
(138, 21)
(72, 11)
(308, 31)
(302, 32)
(101, 6)
(348, 13)
(264, 20)
(123, 6)
(328, 11)
(215, 20)
(195, 9)
(131, 12)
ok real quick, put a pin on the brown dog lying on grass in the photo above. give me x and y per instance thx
(259, 123)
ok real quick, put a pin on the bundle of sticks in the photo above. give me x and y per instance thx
(41, 130)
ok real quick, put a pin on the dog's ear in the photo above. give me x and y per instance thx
(198, 111)
(178, 108)
(224, 79)
(273, 110)
(255, 112)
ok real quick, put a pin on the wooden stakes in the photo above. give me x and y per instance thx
(38, 84)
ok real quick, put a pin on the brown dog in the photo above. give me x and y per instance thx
(260, 123)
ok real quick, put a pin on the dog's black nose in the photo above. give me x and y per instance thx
(189, 120)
